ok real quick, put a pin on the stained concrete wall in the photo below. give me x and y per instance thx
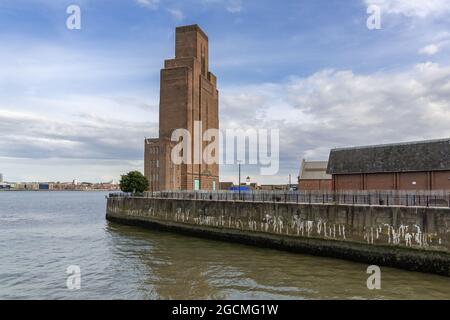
(407, 237)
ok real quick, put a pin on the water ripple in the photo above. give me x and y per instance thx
(41, 234)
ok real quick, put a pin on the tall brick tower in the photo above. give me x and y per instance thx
(188, 96)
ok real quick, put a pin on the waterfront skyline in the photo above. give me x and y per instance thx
(78, 103)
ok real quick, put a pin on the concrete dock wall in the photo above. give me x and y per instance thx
(406, 237)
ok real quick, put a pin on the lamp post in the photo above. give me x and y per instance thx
(239, 185)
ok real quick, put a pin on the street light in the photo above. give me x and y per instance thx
(239, 185)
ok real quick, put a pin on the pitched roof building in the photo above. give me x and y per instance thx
(422, 165)
(313, 176)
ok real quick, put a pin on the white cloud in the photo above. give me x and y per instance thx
(441, 40)
(86, 138)
(335, 108)
(234, 6)
(70, 107)
(373, 105)
(327, 109)
(413, 8)
(429, 50)
(150, 4)
(177, 14)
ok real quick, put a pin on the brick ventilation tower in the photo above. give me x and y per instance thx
(188, 94)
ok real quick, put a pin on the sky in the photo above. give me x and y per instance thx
(77, 104)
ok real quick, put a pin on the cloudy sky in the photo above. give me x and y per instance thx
(77, 104)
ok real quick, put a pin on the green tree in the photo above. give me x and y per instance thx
(133, 181)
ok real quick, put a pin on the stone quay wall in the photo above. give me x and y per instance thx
(413, 238)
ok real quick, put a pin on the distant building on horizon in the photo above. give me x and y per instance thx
(188, 93)
(422, 165)
(1, 177)
(313, 176)
(226, 185)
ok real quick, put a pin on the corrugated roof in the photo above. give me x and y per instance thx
(314, 170)
(430, 155)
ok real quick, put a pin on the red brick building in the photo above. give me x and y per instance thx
(313, 176)
(188, 95)
(423, 165)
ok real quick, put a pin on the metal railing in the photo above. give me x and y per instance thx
(383, 198)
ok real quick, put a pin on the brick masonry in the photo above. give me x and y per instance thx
(188, 93)
(311, 185)
(431, 180)
(421, 165)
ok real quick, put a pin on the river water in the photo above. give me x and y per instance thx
(43, 233)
